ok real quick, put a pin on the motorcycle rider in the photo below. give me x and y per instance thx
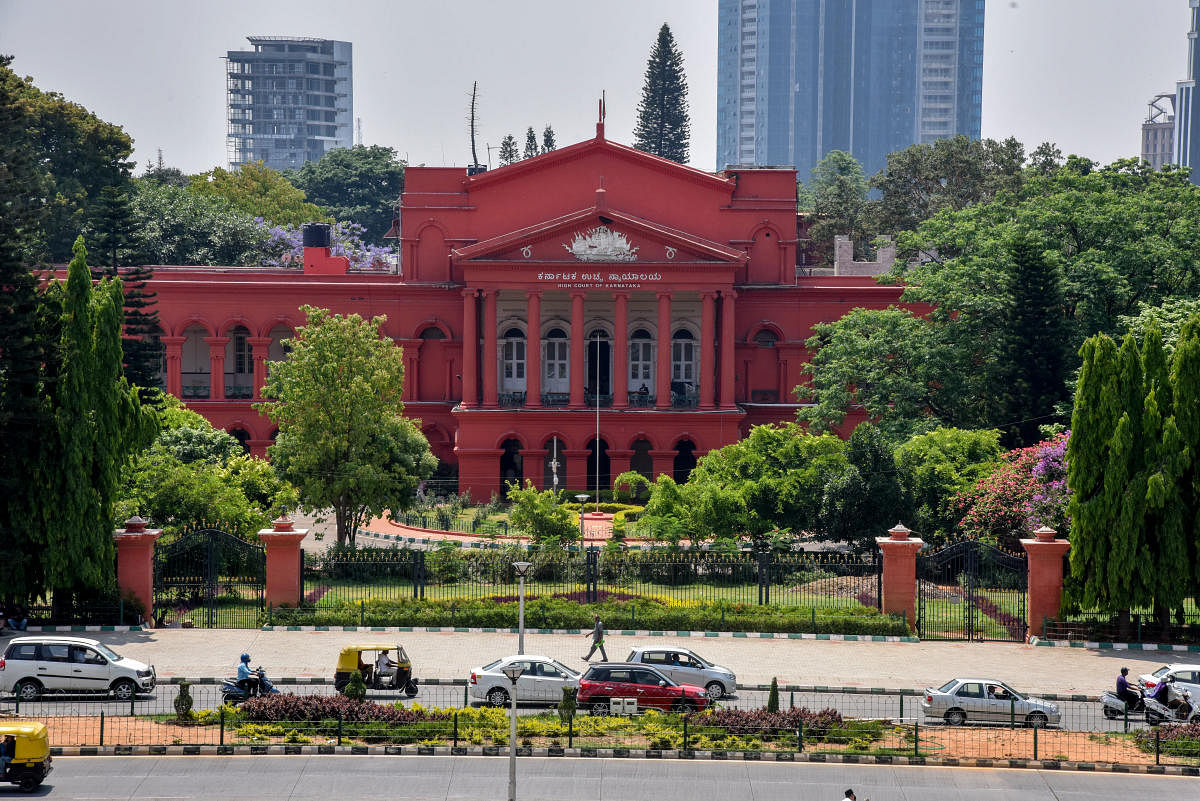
(247, 678)
(1162, 692)
(1127, 695)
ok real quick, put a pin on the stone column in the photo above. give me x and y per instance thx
(533, 467)
(411, 349)
(135, 561)
(663, 362)
(173, 347)
(533, 349)
(470, 390)
(900, 572)
(284, 579)
(1045, 565)
(577, 468)
(708, 325)
(618, 461)
(663, 463)
(578, 369)
(216, 367)
(727, 353)
(260, 350)
(620, 354)
(491, 356)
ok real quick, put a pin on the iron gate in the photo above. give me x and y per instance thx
(971, 591)
(209, 578)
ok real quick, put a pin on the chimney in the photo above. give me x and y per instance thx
(317, 258)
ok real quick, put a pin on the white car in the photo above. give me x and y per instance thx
(541, 682)
(1187, 677)
(687, 667)
(35, 665)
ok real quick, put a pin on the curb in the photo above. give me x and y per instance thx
(46, 629)
(740, 635)
(612, 753)
(1113, 646)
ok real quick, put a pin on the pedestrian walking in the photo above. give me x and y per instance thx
(850, 796)
(597, 635)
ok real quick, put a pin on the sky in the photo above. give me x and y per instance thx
(1075, 72)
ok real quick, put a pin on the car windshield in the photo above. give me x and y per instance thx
(493, 664)
(109, 653)
(948, 686)
(1162, 671)
(566, 671)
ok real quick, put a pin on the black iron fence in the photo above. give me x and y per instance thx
(1138, 628)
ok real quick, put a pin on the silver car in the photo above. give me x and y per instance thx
(687, 667)
(986, 701)
(541, 681)
(1186, 677)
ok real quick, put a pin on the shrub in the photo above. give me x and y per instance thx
(773, 696)
(356, 688)
(318, 708)
(183, 702)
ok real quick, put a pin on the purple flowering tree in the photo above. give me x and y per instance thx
(285, 248)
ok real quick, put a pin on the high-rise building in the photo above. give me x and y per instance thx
(1158, 131)
(799, 78)
(290, 100)
(1187, 112)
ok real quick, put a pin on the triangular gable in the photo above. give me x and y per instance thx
(570, 238)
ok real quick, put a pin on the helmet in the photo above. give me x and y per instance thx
(245, 657)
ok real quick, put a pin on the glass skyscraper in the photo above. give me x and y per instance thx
(1187, 111)
(799, 78)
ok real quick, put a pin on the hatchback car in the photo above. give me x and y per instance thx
(34, 665)
(542, 681)
(986, 701)
(685, 666)
(605, 681)
(1187, 677)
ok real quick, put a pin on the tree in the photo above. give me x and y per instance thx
(548, 139)
(110, 229)
(1185, 384)
(360, 184)
(259, 191)
(542, 514)
(160, 173)
(508, 151)
(142, 341)
(866, 498)
(531, 144)
(935, 467)
(837, 197)
(343, 440)
(175, 226)
(663, 127)
(1169, 317)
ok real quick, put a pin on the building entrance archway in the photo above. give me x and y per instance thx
(598, 378)
(685, 460)
(605, 470)
(511, 464)
(641, 461)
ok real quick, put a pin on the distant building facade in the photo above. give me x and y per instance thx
(289, 100)
(1158, 132)
(799, 78)
(1187, 113)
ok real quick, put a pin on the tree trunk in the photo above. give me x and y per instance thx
(339, 513)
(1123, 626)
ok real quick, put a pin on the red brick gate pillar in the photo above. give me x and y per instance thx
(135, 561)
(900, 572)
(283, 562)
(1045, 566)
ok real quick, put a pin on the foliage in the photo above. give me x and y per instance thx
(509, 154)
(359, 185)
(285, 247)
(542, 514)
(866, 498)
(566, 706)
(183, 702)
(110, 228)
(935, 467)
(199, 444)
(630, 485)
(288, 707)
(259, 191)
(175, 226)
(663, 127)
(1169, 316)
(773, 696)
(548, 139)
(159, 172)
(356, 688)
(141, 343)
(343, 440)
(531, 144)
(837, 197)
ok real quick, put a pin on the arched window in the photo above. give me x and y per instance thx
(765, 338)
(556, 372)
(641, 366)
(239, 364)
(512, 361)
(683, 357)
(196, 369)
(433, 332)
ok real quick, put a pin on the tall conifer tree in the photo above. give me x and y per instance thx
(531, 145)
(548, 139)
(112, 225)
(508, 151)
(663, 127)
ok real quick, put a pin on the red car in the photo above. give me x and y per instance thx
(651, 689)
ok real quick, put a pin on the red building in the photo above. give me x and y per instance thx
(594, 276)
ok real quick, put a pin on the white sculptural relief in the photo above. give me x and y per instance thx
(601, 244)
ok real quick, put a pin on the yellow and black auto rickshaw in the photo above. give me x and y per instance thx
(395, 672)
(30, 749)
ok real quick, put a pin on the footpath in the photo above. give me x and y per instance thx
(196, 653)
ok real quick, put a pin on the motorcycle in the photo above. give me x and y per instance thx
(1176, 710)
(1113, 705)
(234, 693)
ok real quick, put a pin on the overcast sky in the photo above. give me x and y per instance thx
(1076, 72)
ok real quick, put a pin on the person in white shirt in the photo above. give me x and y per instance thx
(385, 668)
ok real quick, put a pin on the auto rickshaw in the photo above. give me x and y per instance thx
(362, 657)
(31, 756)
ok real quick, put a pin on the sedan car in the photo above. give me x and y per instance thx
(687, 667)
(986, 701)
(606, 680)
(34, 665)
(541, 682)
(1187, 677)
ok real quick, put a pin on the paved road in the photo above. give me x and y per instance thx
(214, 652)
(480, 779)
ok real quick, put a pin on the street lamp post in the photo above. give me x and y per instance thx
(522, 569)
(582, 498)
(513, 672)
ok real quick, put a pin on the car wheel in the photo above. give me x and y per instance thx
(599, 706)
(685, 707)
(28, 690)
(123, 689)
(1036, 720)
(715, 690)
(497, 696)
(956, 717)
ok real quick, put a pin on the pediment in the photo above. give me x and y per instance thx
(592, 236)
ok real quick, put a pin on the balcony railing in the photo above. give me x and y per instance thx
(195, 386)
(510, 400)
(555, 398)
(640, 400)
(590, 400)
